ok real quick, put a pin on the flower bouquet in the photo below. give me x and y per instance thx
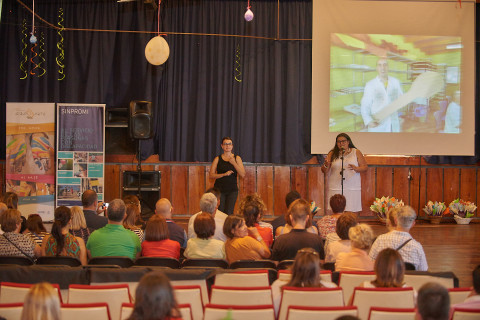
(435, 211)
(462, 210)
(381, 206)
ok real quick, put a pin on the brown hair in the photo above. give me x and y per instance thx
(252, 207)
(133, 212)
(305, 269)
(299, 209)
(204, 225)
(35, 223)
(11, 200)
(9, 220)
(389, 269)
(232, 222)
(338, 203)
(156, 229)
(344, 223)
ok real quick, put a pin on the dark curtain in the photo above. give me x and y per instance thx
(196, 98)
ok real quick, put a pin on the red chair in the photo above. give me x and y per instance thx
(11, 310)
(241, 296)
(324, 313)
(215, 312)
(11, 292)
(378, 313)
(81, 311)
(248, 278)
(191, 295)
(465, 314)
(458, 295)
(365, 298)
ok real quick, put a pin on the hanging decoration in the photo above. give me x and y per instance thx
(32, 59)
(33, 39)
(23, 52)
(238, 66)
(61, 51)
(249, 13)
(41, 54)
(157, 50)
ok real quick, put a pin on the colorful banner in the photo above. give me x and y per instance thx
(80, 152)
(30, 162)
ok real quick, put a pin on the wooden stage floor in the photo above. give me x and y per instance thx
(448, 247)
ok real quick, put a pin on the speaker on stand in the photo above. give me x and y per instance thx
(141, 128)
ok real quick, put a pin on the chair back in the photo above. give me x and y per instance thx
(158, 262)
(250, 278)
(190, 295)
(364, 298)
(215, 312)
(186, 311)
(284, 264)
(202, 283)
(259, 264)
(378, 313)
(286, 275)
(309, 297)
(126, 310)
(11, 310)
(315, 313)
(465, 314)
(60, 260)
(82, 311)
(348, 280)
(205, 263)
(11, 292)
(417, 279)
(458, 295)
(18, 260)
(122, 262)
(241, 296)
(113, 295)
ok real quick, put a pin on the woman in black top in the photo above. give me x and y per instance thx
(225, 169)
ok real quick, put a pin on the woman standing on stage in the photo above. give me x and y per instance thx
(353, 164)
(224, 169)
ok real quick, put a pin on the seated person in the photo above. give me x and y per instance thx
(328, 223)
(78, 226)
(157, 242)
(252, 208)
(361, 237)
(204, 246)
(473, 300)
(35, 228)
(133, 215)
(12, 242)
(433, 302)
(41, 302)
(241, 247)
(333, 248)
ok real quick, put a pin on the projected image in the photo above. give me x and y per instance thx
(395, 83)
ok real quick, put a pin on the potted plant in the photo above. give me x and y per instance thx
(435, 211)
(382, 205)
(462, 210)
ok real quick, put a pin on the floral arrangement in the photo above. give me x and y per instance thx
(381, 206)
(462, 208)
(435, 209)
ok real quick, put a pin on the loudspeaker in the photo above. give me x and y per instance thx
(141, 120)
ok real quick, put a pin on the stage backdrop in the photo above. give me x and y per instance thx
(80, 151)
(30, 156)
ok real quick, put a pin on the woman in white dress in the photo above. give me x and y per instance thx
(353, 164)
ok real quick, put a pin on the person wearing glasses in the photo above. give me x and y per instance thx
(224, 170)
(353, 164)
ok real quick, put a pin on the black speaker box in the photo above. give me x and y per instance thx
(149, 180)
(141, 120)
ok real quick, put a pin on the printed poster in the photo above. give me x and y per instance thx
(80, 152)
(30, 157)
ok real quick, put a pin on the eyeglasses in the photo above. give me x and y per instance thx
(228, 144)
(342, 141)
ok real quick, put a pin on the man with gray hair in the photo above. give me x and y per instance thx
(209, 203)
(114, 239)
(400, 239)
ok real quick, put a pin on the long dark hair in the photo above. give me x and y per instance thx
(35, 224)
(62, 217)
(11, 200)
(389, 268)
(336, 149)
(154, 298)
(305, 269)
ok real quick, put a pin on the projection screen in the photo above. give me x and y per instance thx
(397, 76)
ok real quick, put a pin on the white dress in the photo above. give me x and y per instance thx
(352, 185)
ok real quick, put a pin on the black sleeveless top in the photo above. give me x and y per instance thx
(227, 183)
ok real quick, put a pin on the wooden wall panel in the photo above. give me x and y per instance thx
(282, 183)
(299, 180)
(196, 187)
(417, 189)
(265, 187)
(384, 182)
(434, 184)
(112, 182)
(316, 187)
(468, 187)
(368, 191)
(451, 184)
(166, 181)
(180, 189)
(401, 184)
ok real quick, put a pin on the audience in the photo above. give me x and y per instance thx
(78, 225)
(61, 242)
(35, 228)
(3, 208)
(133, 200)
(328, 223)
(133, 215)
(252, 208)
(11, 200)
(339, 241)
(204, 246)
(473, 300)
(305, 273)
(157, 242)
(241, 247)
(361, 237)
(164, 208)
(280, 220)
(401, 240)
(433, 302)
(90, 210)
(114, 239)
(41, 303)
(286, 246)
(209, 203)
(12, 242)
(389, 270)
(309, 227)
(155, 299)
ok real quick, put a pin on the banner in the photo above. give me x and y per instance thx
(30, 171)
(80, 152)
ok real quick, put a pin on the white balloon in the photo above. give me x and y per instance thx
(157, 51)
(249, 15)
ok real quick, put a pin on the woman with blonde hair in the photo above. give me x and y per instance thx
(133, 214)
(361, 239)
(78, 225)
(41, 303)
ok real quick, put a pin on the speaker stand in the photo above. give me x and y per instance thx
(139, 186)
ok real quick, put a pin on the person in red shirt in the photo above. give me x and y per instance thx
(157, 242)
(252, 208)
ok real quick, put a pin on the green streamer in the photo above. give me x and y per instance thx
(41, 55)
(23, 52)
(238, 66)
(61, 51)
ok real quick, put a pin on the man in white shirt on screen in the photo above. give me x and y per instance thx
(453, 115)
(379, 93)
